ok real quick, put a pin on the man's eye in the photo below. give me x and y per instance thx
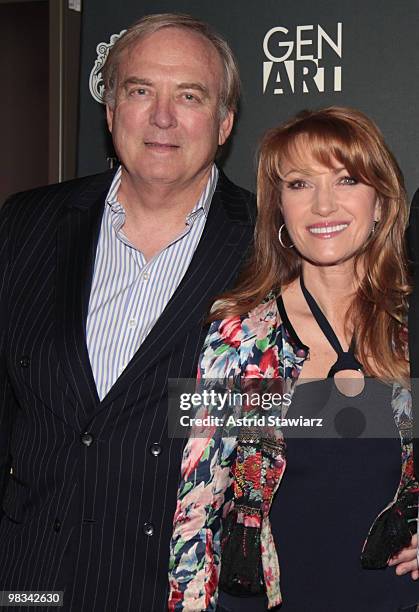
(191, 97)
(348, 180)
(139, 91)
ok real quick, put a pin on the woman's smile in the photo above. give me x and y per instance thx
(327, 230)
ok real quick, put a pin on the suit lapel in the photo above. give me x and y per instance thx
(77, 238)
(227, 234)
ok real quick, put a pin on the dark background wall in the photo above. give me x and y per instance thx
(378, 60)
(24, 99)
(39, 102)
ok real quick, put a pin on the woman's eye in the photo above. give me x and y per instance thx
(348, 180)
(297, 184)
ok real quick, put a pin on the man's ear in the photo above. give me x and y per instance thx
(226, 125)
(109, 117)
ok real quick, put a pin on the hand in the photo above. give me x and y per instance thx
(406, 561)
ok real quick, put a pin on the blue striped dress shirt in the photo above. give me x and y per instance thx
(128, 293)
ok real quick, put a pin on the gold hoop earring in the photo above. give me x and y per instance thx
(284, 246)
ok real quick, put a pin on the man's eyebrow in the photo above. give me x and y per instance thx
(196, 86)
(133, 80)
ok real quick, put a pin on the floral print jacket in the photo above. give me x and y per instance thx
(257, 345)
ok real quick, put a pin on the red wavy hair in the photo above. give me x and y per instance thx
(379, 308)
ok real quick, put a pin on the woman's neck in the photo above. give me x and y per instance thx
(332, 287)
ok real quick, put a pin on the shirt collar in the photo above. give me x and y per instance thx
(112, 196)
(203, 203)
(205, 199)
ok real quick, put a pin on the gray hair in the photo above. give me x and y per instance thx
(230, 88)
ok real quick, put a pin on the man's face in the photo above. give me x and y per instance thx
(165, 123)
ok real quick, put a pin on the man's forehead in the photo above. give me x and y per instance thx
(173, 45)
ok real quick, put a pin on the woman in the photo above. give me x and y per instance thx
(324, 297)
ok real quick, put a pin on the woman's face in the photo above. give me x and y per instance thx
(328, 214)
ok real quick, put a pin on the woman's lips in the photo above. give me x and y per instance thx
(327, 230)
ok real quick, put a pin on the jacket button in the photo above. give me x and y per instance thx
(24, 361)
(148, 529)
(86, 438)
(57, 525)
(155, 449)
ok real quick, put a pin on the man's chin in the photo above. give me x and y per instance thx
(156, 173)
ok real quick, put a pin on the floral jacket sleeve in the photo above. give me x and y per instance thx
(203, 494)
(247, 347)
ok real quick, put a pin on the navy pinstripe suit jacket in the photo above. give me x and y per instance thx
(88, 487)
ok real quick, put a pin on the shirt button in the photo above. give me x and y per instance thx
(57, 525)
(148, 529)
(132, 323)
(24, 361)
(146, 276)
(86, 438)
(155, 449)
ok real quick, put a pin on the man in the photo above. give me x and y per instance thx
(105, 282)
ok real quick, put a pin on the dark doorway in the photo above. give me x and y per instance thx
(24, 102)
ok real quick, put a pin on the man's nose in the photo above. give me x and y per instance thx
(324, 201)
(163, 113)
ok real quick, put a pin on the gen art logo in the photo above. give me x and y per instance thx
(305, 60)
